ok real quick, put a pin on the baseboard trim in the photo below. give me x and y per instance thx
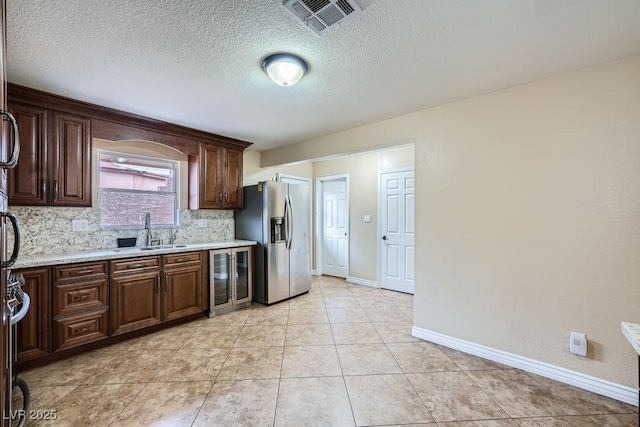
(567, 376)
(315, 273)
(364, 282)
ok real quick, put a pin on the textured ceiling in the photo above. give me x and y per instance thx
(197, 63)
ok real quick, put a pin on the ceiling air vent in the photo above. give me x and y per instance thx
(320, 15)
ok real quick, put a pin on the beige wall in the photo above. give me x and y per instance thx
(363, 200)
(527, 215)
(252, 171)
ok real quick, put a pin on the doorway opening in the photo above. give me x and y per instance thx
(332, 225)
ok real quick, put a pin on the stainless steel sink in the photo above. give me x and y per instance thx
(149, 248)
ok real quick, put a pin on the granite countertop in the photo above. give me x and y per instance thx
(632, 332)
(113, 253)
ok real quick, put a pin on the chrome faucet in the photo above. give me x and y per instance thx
(147, 226)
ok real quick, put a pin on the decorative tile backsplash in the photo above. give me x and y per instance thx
(46, 230)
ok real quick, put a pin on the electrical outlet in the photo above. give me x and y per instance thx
(367, 219)
(201, 223)
(578, 344)
(80, 225)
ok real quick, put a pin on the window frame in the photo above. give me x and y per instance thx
(176, 189)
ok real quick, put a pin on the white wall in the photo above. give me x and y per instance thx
(528, 220)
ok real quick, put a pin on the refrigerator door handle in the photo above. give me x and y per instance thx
(289, 221)
(286, 222)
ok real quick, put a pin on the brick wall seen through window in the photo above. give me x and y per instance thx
(130, 186)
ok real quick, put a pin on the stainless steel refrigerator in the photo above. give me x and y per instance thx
(277, 216)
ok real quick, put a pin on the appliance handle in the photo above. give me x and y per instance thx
(7, 116)
(16, 240)
(26, 302)
(290, 222)
(230, 275)
(288, 218)
(286, 222)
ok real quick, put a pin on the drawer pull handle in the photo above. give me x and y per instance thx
(182, 259)
(85, 271)
(136, 266)
(85, 329)
(81, 297)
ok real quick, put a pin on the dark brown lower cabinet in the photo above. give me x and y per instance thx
(80, 304)
(144, 294)
(79, 329)
(182, 291)
(135, 301)
(76, 304)
(34, 330)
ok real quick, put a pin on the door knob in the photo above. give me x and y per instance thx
(384, 237)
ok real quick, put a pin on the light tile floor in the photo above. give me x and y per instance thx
(341, 355)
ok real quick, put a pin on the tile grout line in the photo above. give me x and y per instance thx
(284, 347)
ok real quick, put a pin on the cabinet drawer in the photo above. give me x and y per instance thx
(177, 259)
(81, 329)
(73, 298)
(134, 265)
(80, 271)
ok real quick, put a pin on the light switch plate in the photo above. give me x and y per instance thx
(79, 225)
(367, 219)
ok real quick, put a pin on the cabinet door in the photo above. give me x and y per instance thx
(211, 192)
(219, 279)
(34, 329)
(243, 275)
(71, 173)
(28, 182)
(182, 292)
(135, 302)
(232, 181)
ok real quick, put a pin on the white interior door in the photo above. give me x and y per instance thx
(397, 230)
(334, 227)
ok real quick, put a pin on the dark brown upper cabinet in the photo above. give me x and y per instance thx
(55, 158)
(216, 179)
(71, 160)
(28, 180)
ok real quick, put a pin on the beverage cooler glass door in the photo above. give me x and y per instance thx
(243, 275)
(220, 278)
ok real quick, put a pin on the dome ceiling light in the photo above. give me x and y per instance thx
(285, 69)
